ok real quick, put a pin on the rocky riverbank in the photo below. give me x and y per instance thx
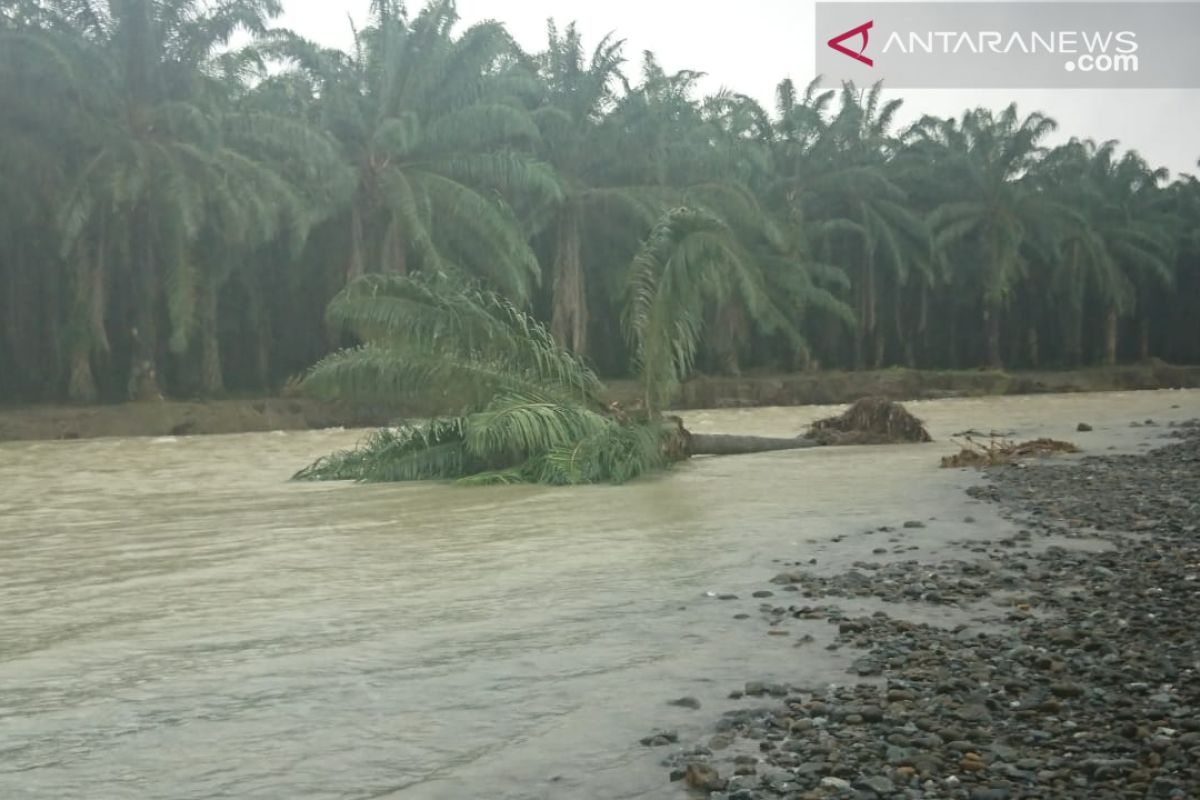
(1078, 677)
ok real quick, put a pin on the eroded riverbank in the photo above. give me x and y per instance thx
(258, 414)
(178, 621)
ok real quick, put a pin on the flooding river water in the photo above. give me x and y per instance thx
(177, 620)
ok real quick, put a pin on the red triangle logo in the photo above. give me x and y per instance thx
(861, 30)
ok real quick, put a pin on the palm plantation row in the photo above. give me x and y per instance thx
(184, 189)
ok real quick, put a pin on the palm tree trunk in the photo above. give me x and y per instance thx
(8, 314)
(143, 373)
(991, 333)
(262, 352)
(1110, 338)
(1073, 344)
(81, 381)
(569, 318)
(923, 326)
(211, 381)
(719, 444)
(905, 340)
(730, 329)
(1074, 317)
(395, 252)
(863, 329)
(81, 384)
(952, 341)
(355, 267)
(871, 323)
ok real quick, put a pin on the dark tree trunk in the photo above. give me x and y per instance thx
(143, 372)
(865, 308)
(991, 331)
(729, 331)
(952, 349)
(569, 317)
(355, 267)
(1074, 317)
(903, 337)
(394, 258)
(262, 352)
(923, 326)
(211, 381)
(1144, 339)
(1074, 338)
(1110, 338)
(1034, 347)
(81, 385)
(81, 381)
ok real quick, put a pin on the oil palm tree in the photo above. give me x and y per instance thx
(1117, 244)
(599, 202)
(434, 126)
(838, 176)
(719, 254)
(996, 211)
(1178, 312)
(1138, 233)
(40, 149)
(159, 159)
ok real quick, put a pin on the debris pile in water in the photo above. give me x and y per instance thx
(1002, 451)
(871, 420)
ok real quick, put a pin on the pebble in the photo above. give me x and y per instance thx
(685, 702)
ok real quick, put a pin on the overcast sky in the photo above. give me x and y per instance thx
(750, 45)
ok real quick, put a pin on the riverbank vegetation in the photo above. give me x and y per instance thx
(184, 189)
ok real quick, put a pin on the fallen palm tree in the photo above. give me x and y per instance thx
(529, 410)
(997, 452)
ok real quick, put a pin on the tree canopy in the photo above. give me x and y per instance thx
(185, 189)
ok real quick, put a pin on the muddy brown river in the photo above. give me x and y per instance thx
(179, 621)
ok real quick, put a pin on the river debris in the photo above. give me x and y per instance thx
(997, 452)
(871, 420)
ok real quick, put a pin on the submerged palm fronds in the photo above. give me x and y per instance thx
(423, 451)
(1002, 451)
(530, 410)
(871, 420)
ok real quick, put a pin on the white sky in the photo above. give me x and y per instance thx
(750, 45)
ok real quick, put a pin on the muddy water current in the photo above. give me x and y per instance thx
(179, 621)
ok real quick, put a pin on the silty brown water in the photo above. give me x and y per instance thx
(177, 620)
